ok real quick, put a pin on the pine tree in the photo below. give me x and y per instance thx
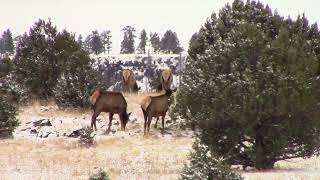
(6, 42)
(96, 43)
(155, 42)
(143, 41)
(170, 43)
(252, 86)
(80, 41)
(86, 43)
(106, 41)
(127, 45)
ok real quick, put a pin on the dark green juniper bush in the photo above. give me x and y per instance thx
(251, 85)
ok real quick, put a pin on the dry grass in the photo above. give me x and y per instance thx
(143, 158)
(128, 156)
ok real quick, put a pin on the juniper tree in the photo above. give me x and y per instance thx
(78, 79)
(37, 66)
(8, 120)
(251, 85)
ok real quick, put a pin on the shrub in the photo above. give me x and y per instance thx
(204, 165)
(86, 137)
(251, 85)
(8, 121)
(13, 91)
(76, 84)
(101, 175)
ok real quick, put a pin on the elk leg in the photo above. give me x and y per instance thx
(163, 123)
(155, 125)
(121, 121)
(149, 122)
(94, 118)
(145, 121)
(110, 121)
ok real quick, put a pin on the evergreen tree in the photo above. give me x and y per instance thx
(127, 45)
(206, 165)
(252, 86)
(155, 42)
(77, 82)
(86, 43)
(96, 43)
(6, 42)
(143, 41)
(6, 66)
(80, 41)
(170, 43)
(37, 66)
(8, 121)
(77, 78)
(106, 41)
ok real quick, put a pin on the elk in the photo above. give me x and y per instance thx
(111, 102)
(155, 107)
(129, 81)
(166, 79)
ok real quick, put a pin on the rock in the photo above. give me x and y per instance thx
(169, 121)
(42, 122)
(33, 131)
(45, 135)
(75, 133)
(45, 131)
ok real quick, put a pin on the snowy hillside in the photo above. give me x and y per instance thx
(147, 68)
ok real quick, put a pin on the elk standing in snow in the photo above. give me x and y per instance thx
(155, 107)
(129, 81)
(111, 102)
(166, 79)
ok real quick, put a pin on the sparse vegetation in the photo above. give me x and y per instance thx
(101, 175)
(86, 138)
(205, 165)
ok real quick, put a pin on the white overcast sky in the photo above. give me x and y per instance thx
(82, 16)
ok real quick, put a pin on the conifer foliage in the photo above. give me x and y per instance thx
(8, 121)
(204, 164)
(252, 85)
(78, 78)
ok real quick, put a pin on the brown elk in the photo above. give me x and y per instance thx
(155, 107)
(166, 79)
(111, 102)
(129, 81)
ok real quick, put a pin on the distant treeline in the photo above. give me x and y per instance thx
(100, 42)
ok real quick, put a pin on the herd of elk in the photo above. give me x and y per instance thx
(115, 103)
